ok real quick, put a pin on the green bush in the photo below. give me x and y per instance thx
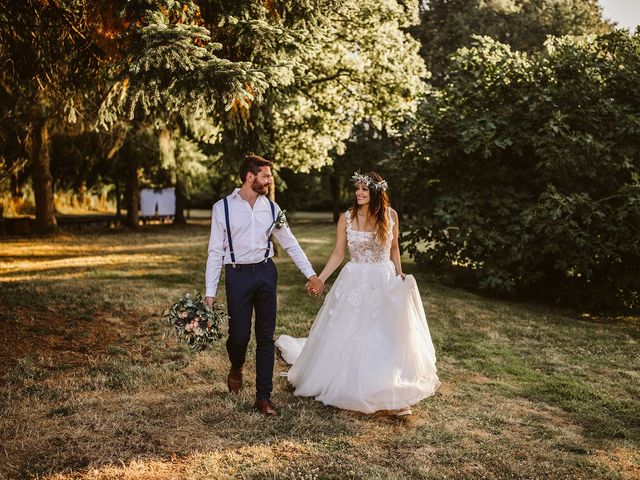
(528, 170)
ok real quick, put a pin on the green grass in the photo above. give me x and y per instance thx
(93, 387)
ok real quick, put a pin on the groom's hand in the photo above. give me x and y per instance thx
(315, 286)
(209, 301)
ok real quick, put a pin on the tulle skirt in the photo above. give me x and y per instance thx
(369, 348)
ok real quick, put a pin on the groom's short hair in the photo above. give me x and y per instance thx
(253, 163)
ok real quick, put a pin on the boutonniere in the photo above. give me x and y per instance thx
(279, 222)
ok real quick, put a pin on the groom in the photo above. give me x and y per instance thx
(240, 226)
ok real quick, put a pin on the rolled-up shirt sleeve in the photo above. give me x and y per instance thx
(294, 250)
(215, 256)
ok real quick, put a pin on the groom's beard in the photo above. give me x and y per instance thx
(260, 188)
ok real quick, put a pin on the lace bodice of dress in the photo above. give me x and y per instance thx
(364, 247)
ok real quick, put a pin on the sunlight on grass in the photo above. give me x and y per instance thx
(274, 459)
(38, 265)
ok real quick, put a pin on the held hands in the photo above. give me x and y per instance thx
(315, 286)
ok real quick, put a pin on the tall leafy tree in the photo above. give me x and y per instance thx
(48, 61)
(203, 57)
(369, 71)
(288, 78)
(159, 54)
(362, 74)
(210, 61)
(529, 170)
(314, 71)
(447, 25)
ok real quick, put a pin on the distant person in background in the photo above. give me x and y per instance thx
(241, 227)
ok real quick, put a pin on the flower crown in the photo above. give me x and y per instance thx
(366, 179)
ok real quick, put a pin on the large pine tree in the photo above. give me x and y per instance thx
(48, 61)
(298, 75)
(288, 79)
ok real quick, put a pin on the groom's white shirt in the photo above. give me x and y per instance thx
(249, 227)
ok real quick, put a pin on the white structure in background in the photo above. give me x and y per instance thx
(160, 202)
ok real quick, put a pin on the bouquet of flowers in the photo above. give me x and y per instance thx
(194, 322)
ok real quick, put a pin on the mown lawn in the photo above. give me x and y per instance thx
(92, 387)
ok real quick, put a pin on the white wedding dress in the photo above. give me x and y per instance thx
(369, 348)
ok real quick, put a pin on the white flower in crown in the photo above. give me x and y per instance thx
(366, 179)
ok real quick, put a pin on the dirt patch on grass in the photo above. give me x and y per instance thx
(58, 340)
(624, 460)
(282, 459)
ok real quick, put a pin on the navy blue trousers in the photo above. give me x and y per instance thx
(253, 287)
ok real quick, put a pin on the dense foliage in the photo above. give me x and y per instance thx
(528, 167)
(522, 159)
(49, 83)
(367, 69)
(447, 25)
(212, 80)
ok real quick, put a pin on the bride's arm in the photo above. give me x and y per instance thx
(337, 255)
(395, 247)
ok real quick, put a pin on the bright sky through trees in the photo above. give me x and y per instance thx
(625, 12)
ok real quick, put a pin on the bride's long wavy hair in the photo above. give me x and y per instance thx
(378, 207)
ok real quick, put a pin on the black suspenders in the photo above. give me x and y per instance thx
(226, 219)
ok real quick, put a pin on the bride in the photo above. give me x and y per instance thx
(369, 348)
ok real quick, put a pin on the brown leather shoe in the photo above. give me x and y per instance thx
(266, 408)
(234, 380)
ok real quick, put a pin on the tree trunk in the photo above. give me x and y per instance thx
(15, 186)
(112, 155)
(40, 153)
(2, 229)
(397, 201)
(118, 200)
(181, 204)
(334, 187)
(82, 194)
(272, 197)
(167, 142)
(132, 192)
